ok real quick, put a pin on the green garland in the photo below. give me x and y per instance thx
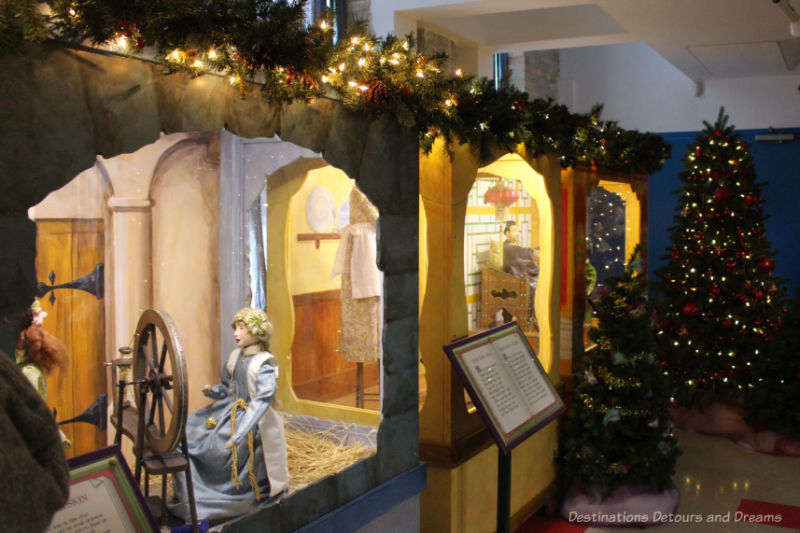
(267, 42)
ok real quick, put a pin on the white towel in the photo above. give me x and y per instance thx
(365, 277)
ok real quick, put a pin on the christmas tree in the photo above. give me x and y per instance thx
(618, 431)
(720, 303)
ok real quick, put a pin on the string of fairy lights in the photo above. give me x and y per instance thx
(266, 47)
(721, 309)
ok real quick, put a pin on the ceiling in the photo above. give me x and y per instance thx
(705, 39)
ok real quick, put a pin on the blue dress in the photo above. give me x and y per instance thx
(208, 429)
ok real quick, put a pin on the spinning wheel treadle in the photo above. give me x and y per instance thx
(159, 371)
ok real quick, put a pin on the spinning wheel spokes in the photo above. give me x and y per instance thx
(163, 375)
(162, 360)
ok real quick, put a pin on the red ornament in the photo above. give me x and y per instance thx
(727, 323)
(751, 199)
(691, 310)
(765, 264)
(758, 294)
(714, 291)
(698, 153)
(722, 194)
(718, 133)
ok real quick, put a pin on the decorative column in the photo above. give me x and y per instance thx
(574, 192)
(132, 269)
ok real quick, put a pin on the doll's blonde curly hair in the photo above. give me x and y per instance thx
(256, 322)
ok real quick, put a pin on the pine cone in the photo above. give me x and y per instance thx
(378, 93)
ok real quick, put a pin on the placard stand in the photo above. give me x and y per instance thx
(512, 393)
(503, 490)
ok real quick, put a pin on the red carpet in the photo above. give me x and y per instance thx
(544, 524)
(773, 514)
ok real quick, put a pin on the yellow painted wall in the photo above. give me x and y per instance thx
(309, 266)
(472, 486)
(462, 499)
(287, 191)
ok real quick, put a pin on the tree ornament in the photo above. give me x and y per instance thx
(622, 467)
(765, 264)
(612, 415)
(619, 358)
(378, 93)
(722, 194)
(691, 310)
(752, 199)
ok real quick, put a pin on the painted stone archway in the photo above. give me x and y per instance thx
(63, 107)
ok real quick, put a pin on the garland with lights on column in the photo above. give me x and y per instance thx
(266, 44)
(617, 445)
(720, 304)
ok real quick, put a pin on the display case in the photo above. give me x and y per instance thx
(202, 222)
(605, 218)
(457, 230)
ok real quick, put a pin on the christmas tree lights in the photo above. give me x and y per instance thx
(618, 430)
(720, 303)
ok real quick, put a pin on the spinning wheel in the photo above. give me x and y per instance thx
(159, 372)
(157, 424)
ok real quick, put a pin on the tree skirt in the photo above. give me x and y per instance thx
(728, 421)
(627, 506)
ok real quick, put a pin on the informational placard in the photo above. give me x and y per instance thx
(103, 497)
(506, 381)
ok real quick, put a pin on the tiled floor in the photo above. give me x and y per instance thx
(714, 476)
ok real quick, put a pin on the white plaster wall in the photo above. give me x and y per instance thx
(642, 91)
(185, 252)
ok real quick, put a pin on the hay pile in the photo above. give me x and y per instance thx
(314, 455)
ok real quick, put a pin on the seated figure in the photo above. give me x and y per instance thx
(237, 449)
(520, 261)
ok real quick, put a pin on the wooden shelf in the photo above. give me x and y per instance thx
(317, 237)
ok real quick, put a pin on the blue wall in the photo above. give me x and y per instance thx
(778, 172)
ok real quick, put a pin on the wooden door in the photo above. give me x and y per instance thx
(71, 249)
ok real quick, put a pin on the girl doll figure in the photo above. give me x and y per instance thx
(237, 448)
(37, 352)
